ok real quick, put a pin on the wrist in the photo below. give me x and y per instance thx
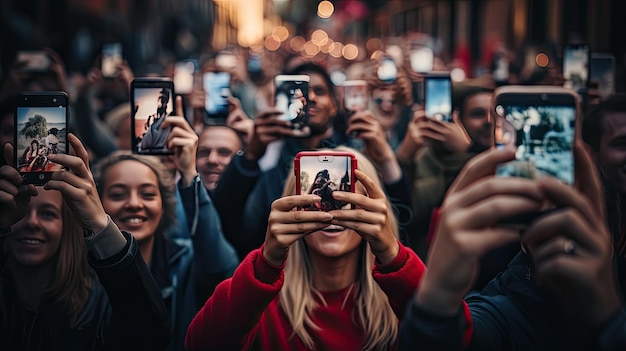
(188, 177)
(436, 299)
(273, 257)
(390, 171)
(406, 151)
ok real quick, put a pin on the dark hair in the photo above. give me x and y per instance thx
(593, 122)
(311, 67)
(462, 93)
(7, 106)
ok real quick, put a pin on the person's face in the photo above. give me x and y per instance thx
(216, 147)
(132, 198)
(384, 106)
(612, 151)
(335, 241)
(477, 119)
(36, 237)
(321, 105)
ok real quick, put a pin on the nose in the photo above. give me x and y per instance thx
(213, 157)
(30, 220)
(134, 201)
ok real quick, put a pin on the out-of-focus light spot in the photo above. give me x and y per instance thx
(272, 43)
(377, 55)
(374, 44)
(281, 32)
(336, 49)
(296, 43)
(396, 52)
(310, 49)
(350, 52)
(457, 75)
(319, 37)
(326, 47)
(542, 59)
(500, 110)
(338, 77)
(325, 9)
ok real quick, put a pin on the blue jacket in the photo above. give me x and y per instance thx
(191, 259)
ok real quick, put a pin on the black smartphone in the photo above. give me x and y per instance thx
(602, 73)
(152, 101)
(438, 96)
(33, 61)
(111, 59)
(292, 96)
(545, 123)
(576, 67)
(387, 69)
(321, 173)
(217, 90)
(41, 127)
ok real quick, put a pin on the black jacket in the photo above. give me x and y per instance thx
(124, 311)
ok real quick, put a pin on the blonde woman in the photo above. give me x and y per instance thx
(337, 280)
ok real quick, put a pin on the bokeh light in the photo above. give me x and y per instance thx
(542, 60)
(319, 37)
(310, 49)
(336, 49)
(272, 43)
(296, 43)
(350, 52)
(374, 44)
(281, 33)
(457, 75)
(325, 9)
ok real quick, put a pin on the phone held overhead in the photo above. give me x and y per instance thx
(152, 101)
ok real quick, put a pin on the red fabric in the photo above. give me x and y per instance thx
(244, 310)
(432, 228)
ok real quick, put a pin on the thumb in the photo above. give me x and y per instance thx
(179, 106)
(8, 154)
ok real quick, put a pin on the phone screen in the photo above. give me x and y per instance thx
(387, 70)
(33, 61)
(41, 130)
(322, 173)
(576, 67)
(602, 74)
(217, 90)
(421, 58)
(355, 95)
(438, 97)
(111, 58)
(183, 76)
(544, 127)
(152, 101)
(292, 96)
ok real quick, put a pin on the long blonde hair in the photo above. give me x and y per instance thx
(373, 312)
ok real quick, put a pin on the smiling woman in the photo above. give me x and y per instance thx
(343, 285)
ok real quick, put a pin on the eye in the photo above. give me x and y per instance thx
(117, 195)
(49, 214)
(149, 195)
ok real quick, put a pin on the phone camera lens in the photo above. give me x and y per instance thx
(544, 97)
(54, 99)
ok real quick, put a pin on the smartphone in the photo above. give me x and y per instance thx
(183, 76)
(33, 61)
(421, 58)
(576, 67)
(152, 101)
(225, 60)
(292, 96)
(500, 71)
(438, 96)
(111, 59)
(602, 73)
(217, 90)
(321, 173)
(355, 95)
(387, 69)
(41, 126)
(545, 125)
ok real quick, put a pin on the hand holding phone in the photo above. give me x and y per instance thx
(111, 59)
(41, 127)
(33, 61)
(323, 172)
(292, 96)
(576, 67)
(438, 96)
(152, 101)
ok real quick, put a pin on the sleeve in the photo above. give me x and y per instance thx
(399, 193)
(138, 319)
(229, 318)
(215, 259)
(612, 335)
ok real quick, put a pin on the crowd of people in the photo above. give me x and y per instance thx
(208, 248)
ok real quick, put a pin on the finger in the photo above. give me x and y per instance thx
(8, 190)
(72, 189)
(373, 191)
(79, 149)
(587, 178)
(555, 246)
(491, 186)
(11, 175)
(493, 210)
(180, 142)
(74, 163)
(298, 228)
(177, 121)
(481, 165)
(179, 107)
(563, 195)
(481, 241)
(8, 154)
(269, 114)
(288, 203)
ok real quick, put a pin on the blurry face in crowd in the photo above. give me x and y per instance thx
(36, 237)
(383, 106)
(477, 119)
(322, 106)
(132, 198)
(612, 151)
(216, 147)
(335, 241)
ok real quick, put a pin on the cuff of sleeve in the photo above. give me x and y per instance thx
(195, 180)
(396, 263)
(106, 243)
(265, 271)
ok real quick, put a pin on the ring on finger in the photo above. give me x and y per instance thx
(569, 247)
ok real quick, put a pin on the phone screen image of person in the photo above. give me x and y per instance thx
(39, 132)
(544, 141)
(438, 98)
(576, 67)
(355, 95)
(322, 175)
(217, 90)
(111, 58)
(602, 74)
(292, 96)
(151, 106)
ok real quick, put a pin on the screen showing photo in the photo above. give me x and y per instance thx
(322, 178)
(41, 131)
(438, 100)
(544, 141)
(152, 106)
(217, 88)
(575, 65)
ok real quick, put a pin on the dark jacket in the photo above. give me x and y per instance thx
(123, 311)
(513, 313)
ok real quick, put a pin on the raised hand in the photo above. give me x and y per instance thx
(287, 224)
(14, 197)
(369, 218)
(183, 141)
(267, 128)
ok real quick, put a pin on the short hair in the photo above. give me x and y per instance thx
(164, 179)
(593, 121)
(311, 67)
(462, 93)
